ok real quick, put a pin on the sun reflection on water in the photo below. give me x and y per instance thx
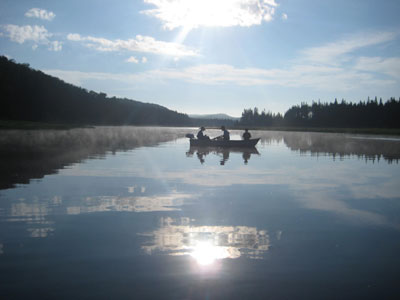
(205, 253)
(206, 244)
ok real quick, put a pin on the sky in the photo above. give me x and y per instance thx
(212, 56)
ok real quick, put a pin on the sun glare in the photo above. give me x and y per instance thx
(222, 13)
(206, 253)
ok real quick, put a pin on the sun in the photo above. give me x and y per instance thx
(186, 15)
(211, 13)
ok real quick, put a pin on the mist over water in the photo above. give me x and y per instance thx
(29, 154)
(135, 212)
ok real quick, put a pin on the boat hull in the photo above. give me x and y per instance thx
(218, 143)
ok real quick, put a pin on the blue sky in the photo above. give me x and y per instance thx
(212, 56)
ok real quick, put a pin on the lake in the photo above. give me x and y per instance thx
(135, 213)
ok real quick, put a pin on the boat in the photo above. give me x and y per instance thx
(221, 143)
(223, 152)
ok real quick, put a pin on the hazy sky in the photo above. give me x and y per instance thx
(211, 56)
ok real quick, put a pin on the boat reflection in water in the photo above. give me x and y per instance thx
(202, 152)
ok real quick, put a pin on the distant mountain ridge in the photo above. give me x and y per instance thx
(214, 116)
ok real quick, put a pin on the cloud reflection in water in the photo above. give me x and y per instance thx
(206, 243)
(167, 202)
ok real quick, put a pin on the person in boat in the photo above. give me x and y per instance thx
(246, 135)
(201, 135)
(225, 135)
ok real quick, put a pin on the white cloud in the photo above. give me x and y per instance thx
(335, 53)
(141, 43)
(78, 78)
(20, 34)
(37, 34)
(332, 68)
(40, 14)
(74, 37)
(132, 59)
(389, 66)
(225, 13)
(317, 77)
(284, 16)
(321, 78)
(55, 46)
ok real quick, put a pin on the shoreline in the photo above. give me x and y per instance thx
(30, 125)
(376, 131)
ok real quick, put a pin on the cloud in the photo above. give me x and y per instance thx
(322, 78)
(335, 53)
(55, 46)
(74, 37)
(20, 34)
(78, 77)
(389, 66)
(37, 34)
(318, 77)
(223, 13)
(284, 16)
(141, 43)
(132, 59)
(40, 14)
(330, 67)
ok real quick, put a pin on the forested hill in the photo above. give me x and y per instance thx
(364, 114)
(31, 95)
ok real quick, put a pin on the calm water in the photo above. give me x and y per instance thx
(135, 213)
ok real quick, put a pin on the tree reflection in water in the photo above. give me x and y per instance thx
(32, 154)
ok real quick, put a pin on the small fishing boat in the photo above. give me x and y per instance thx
(222, 143)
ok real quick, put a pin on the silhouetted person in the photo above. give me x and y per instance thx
(201, 135)
(246, 135)
(225, 136)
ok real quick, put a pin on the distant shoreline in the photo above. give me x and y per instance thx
(28, 125)
(382, 131)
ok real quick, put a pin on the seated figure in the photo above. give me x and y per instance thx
(246, 135)
(201, 135)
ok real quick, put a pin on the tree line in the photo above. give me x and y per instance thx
(364, 114)
(31, 95)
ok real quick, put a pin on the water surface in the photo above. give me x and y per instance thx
(131, 213)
